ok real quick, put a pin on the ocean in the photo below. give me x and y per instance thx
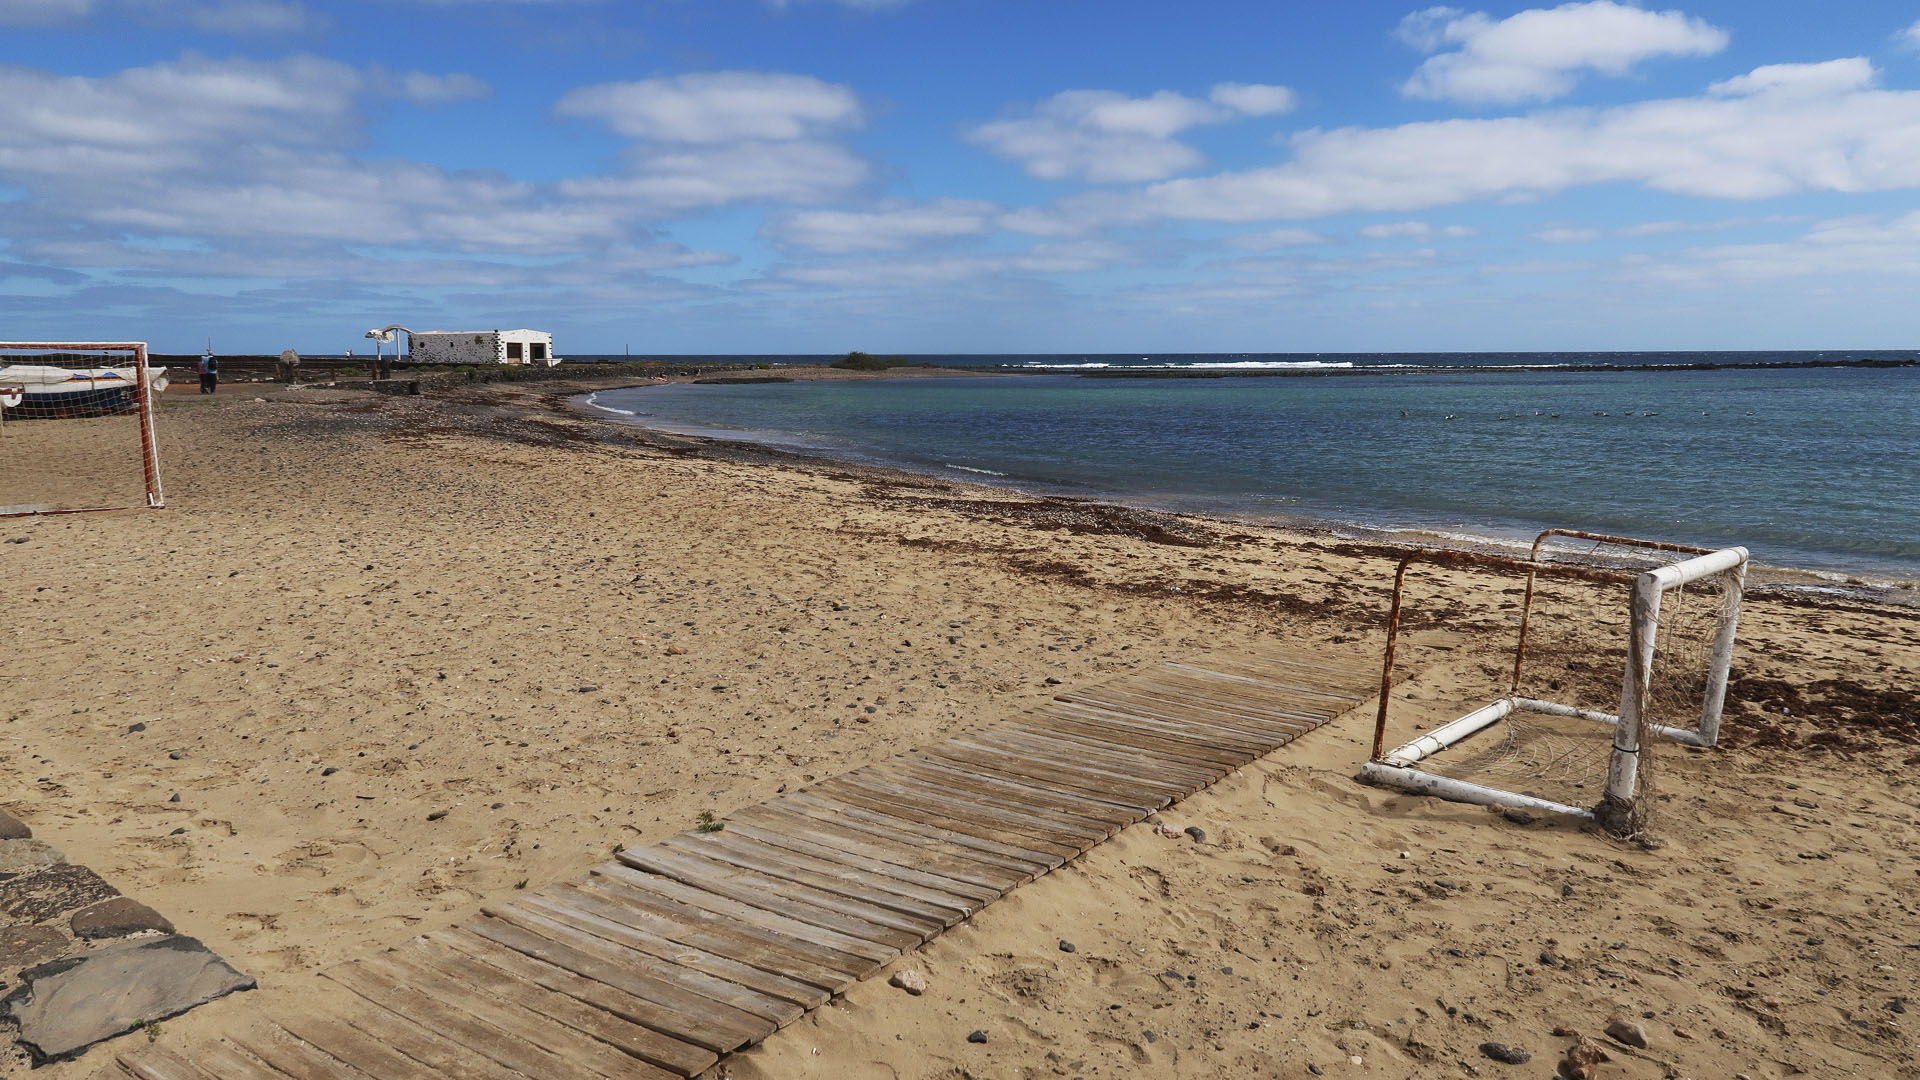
(1811, 467)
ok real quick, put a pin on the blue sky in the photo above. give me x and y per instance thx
(962, 175)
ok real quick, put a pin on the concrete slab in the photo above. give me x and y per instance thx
(67, 1005)
(51, 892)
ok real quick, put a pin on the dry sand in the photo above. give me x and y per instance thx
(568, 636)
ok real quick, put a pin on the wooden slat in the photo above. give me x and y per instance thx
(936, 804)
(804, 902)
(686, 1015)
(370, 1056)
(453, 1021)
(228, 1063)
(649, 1045)
(1029, 861)
(949, 862)
(1226, 738)
(1150, 770)
(796, 837)
(1123, 782)
(743, 986)
(632, 1044)
(735, 846)
(156, 1064)
(784, 954)
(444, 1056)
(1070, 807)
(1197, 752)
(297, 1059)
(768, 916)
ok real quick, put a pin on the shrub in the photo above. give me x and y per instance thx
(859, 361)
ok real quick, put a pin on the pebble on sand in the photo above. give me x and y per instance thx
(1506, 1055)
(1627, 1031)
(909, 980)
(977, 1037)
(1066, 946)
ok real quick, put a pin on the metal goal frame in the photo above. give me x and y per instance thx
(143, 397)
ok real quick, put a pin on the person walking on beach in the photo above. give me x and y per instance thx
(209, 373)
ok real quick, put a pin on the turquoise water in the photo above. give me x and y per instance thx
(1816, 468)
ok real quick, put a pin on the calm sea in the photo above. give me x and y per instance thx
(1810, 467)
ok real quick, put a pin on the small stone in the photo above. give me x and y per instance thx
(587, 690)
(1898, 1005)
(1315, 1070)
(181, 831)
(1517, 816)
(1066, 946)
(1626, 1031)
(1583, 1059)
(1564, 1032)
(977, 1037)
(135, 729)
(1051, 681)
(498, 805)
(437, 815)
(675, 650)
(328, 771)
(175, 756)
(1506, 1055)
(176, 797)
(116, 918)
(1150, 1036)
(12, 828)
(1682, 1033)
(1168, 831)
(1816, 941)
(911, 981)
(1566, 890)
(1547, 959)
(1199, 834)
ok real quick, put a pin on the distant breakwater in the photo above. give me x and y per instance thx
(1495, 369)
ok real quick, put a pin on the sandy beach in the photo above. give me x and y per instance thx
(399, 654)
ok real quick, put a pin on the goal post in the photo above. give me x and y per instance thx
(1682, 619)
(77, 427)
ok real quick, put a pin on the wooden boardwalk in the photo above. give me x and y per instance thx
(657, 964)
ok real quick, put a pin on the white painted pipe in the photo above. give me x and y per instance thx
(1554, 708)
(1698, 567)
(1735, 583)
(1447, 734)
(1423, 783)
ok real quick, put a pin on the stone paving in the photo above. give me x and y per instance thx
(80, 963)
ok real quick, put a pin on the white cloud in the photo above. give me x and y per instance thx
(1801, 80)
(1751, 146)
(1254, 99)
(1862, 244)
(42, 12)
(424, 89)
(1278, 238)
(1910, 37)
(717, 107)
(1416, 229)
(1566, 234)
(1539, 54)
(893, 226)
(1107, 137)
(681, 179)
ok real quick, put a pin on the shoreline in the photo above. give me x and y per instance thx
(1894, 591)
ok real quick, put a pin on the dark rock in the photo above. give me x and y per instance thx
(117, 917)
(1548, 959)
(181, 831)
(53, 891)
(176, 797)
(1517, 816)
(12, 828)
(1506, 1055)
(1051, 681)
(1566, 890)
(328, 771)
(1816, 941)
(1150, 1036)
(437, 815)
(135, 729)
(1315, 1070)
(68, 1005)
(24, 946)
(1199, 834)
(175, 756)
(977, 1037)
(1065, 945)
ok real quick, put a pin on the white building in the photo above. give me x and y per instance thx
(481, 347)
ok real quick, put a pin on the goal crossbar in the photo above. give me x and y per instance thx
(143, 398)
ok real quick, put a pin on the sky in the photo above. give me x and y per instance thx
(962, 176)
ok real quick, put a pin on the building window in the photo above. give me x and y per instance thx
(513, 350)
(539, 350)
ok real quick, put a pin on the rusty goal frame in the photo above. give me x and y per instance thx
(143, 398)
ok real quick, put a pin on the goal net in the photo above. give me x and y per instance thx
(1586, 656)
(76, 427)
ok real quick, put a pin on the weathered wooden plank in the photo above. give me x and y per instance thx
(156, 1064)
(729, 981)
(1200, 755)
(1149, 770)
(894, 844)
(996, 788)
(1137, 784)
(1234, 739)
(368, 1055)
(1181, 692)
(455, 1024)
(1184, 704)
(803, 902)
(295, 1058)
(629, 1043)
(642, 1041)
(430, 1048)
(953, 809)
(695, 1017)
(1020, 777)
(1265, 683)
(228, 1063)
(590, 1056)
(783, 954)
(949, 817)
(1029, 861)
(900, 865)
(694, 896)
(735, 846)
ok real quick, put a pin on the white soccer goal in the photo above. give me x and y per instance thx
(76, 427)
(1682, 617)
